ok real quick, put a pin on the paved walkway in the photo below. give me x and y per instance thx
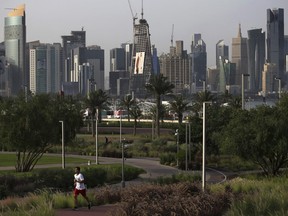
(153, 168)
(95, 210)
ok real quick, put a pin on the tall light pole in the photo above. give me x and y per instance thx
(63, 148)
(177, 146)
(189, 141)
(204, 147)
(186, 149)
(122, 146)
(279, 86)
(96, 136)
(243, 90)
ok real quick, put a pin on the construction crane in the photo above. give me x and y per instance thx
(172, 34)
(133, 16)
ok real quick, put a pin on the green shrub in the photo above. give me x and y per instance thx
(168, 158)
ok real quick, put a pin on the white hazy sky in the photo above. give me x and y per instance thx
(108, 23)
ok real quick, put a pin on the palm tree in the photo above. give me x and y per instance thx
(158, 86)
(179, 105)
(136, 113)
(127, 102)
(236, 102)
(200, 98)
(97, 100)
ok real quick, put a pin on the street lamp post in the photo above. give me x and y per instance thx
(186, 149)
(189, 141)
(279, 86)
(63, 149)
(122, 146)
(243, 90)
(204, 147)
(177, 146)
(96, 136)
(123, 158)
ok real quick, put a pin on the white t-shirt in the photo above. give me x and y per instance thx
(79, 177)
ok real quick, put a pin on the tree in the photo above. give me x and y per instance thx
(97, 100)
(136, 113)
(259, 135)
(127, 102)
(158, 86)
(31, 128)
(200, 98)
(179, 105)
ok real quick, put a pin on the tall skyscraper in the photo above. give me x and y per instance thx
(256, 58)
(117, 59)
(90, 59)
(176, 66)
(142, 67)
(227, 73)
(240, 56)
(15, 42)
(275, 40)
(222, 51)
(45, 68)
(268, 78)
(69, 42)
(198, 61)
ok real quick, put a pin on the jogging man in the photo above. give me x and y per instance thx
(79, 188)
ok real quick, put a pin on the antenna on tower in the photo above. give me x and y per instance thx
(133, 16)
(142, 12)
(172, 35)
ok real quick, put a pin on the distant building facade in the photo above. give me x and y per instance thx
(198, 62)
(256, 58)
(142, 66)
(176, 67)
(70, 42)
(222, 51)
(268, 78)
(15, 42)
(45, 68)
(240, 56)
(275, 40)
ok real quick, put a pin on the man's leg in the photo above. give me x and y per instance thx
(86, 198)
(75, 199)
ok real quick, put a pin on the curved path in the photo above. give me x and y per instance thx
(153, 170)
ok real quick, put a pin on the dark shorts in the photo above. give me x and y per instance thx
(77, 192)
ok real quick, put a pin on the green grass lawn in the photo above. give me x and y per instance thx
(10, 160)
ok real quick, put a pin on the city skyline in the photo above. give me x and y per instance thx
(48, 21)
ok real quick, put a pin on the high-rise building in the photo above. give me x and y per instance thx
(45, 68)
(268, 78)
(198, 61)
(256, 58)
(95, 57)
(240, 56)
(275, 40)
(222, 51)
(176, 66)
(226, 74)
(15, 42)
(155, 61)
(212, 79)
(70, 42)
(142, 67)
(117, 59)
(114, 76)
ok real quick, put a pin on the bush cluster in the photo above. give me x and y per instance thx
(62, 179)
(174, 199)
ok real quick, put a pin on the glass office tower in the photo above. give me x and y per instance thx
(141, 68)
(275, 40)
(15, 41)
